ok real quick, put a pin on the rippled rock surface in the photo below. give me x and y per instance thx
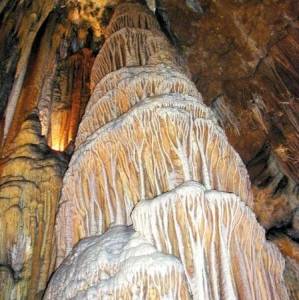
(149, 154)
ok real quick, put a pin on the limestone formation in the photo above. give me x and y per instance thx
(291, 277)
(218, 241)
(130, 47)
(92, 12)
(27, 25)
(60, 116)
(120, 264)
(290, 251)
(31, 177)
(150, 154)
(123, 17)
(243, 57)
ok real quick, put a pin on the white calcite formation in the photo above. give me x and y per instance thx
(149, 154)
(123, 17)
(120, 264)
(216, 236)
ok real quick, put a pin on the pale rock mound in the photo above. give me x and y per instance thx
(120, 264)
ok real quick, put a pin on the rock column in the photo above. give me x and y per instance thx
(152, 168)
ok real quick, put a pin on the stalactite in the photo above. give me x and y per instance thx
(45, 101)
(70, 96)
(151, 155)
(225, 116)
(30, 23)
(40, 67)
(30, 172)
(257, 106)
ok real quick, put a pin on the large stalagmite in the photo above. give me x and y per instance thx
(151, 155)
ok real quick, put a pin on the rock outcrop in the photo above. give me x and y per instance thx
(151, 155)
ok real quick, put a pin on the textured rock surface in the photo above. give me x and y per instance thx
(31, 177)
(20, 26)
(291, 275)
(120, 264)
(218, 240)
(45, 63)
(138, 142)
(290, 250)
(69, 94)
(161, 142)
(243, 57)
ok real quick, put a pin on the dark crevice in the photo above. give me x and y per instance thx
(276, 232)
(288, 79)
(265, 182)
(162, 18)
(9, 56)
(8, 268)
(261, 156)
(280, 186)
(10, 7)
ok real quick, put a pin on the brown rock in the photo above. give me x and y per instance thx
(31, 177)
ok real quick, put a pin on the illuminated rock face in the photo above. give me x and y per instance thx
(151, 155)
(31, 177)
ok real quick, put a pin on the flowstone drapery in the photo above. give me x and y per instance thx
(154, 177)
